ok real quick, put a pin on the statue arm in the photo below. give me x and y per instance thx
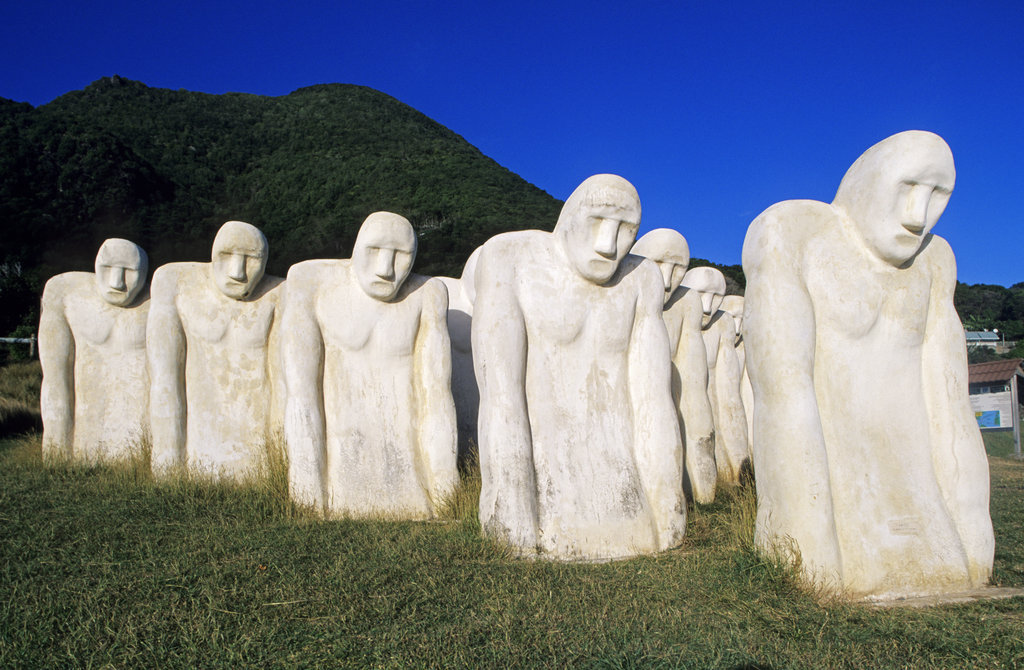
(693, 404)
(166, 350)
(275, 370)
(658, 447)
(508, 486)
(304, 427)
(959, 458)
(728, 375)
(790, 460)
(438, 433)
(57, 358)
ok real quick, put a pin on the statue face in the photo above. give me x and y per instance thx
(120, 271)
(671, 275)
(238, 260)
(383, 254)
(896, 192)
(710, 286)
(669, 249)
(905, 210)
(738, 318)
(599, 234)
(733, 305)
(710, 303)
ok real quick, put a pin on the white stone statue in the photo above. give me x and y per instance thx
(683, 319)
(733, 306)
(216, 390)
(461, 293)
(370, 421)
(580, 451)
(92, 347)
(868, 459)
(724, 374)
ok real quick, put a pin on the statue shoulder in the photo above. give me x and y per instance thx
(785, 228)
(174, 278)
(271, 287)
(451, 284)
(502, 256)
(432, 291)
(272, 282)
(938, 251)
(939, 260)
(645, 272)
(686, 301)
(315, 270)
(178, 272)
(507, 248)
(722, 324)
(421, 285)
(61, 286)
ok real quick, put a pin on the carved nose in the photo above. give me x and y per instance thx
(666, 275)
(236, 268)
(607, 237)
(917, 206)
(385, 264)
(117, 279)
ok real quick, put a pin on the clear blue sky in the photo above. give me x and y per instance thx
(714, 110)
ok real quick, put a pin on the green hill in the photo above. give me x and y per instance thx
(166, 168)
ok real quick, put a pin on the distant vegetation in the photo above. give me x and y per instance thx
(166, 168)
(992, 307)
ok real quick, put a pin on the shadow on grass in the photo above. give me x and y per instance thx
(16, 418)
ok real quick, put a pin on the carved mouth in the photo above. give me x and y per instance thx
(915, 228)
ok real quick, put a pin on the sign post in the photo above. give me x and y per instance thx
(1015, 409)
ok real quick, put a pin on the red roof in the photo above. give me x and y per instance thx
(994, 371)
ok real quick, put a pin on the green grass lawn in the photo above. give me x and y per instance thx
(103, 567)
(19, 398)
(100, 566)
(999, 443)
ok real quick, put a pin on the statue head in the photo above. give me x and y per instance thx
(239, 259)
(669, 250)
(709, 284)
(383, 254)
(896, 191)
(597, 226)
(733, 305)
(121, 268)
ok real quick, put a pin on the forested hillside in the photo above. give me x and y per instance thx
(166, 168)
(992, 307)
